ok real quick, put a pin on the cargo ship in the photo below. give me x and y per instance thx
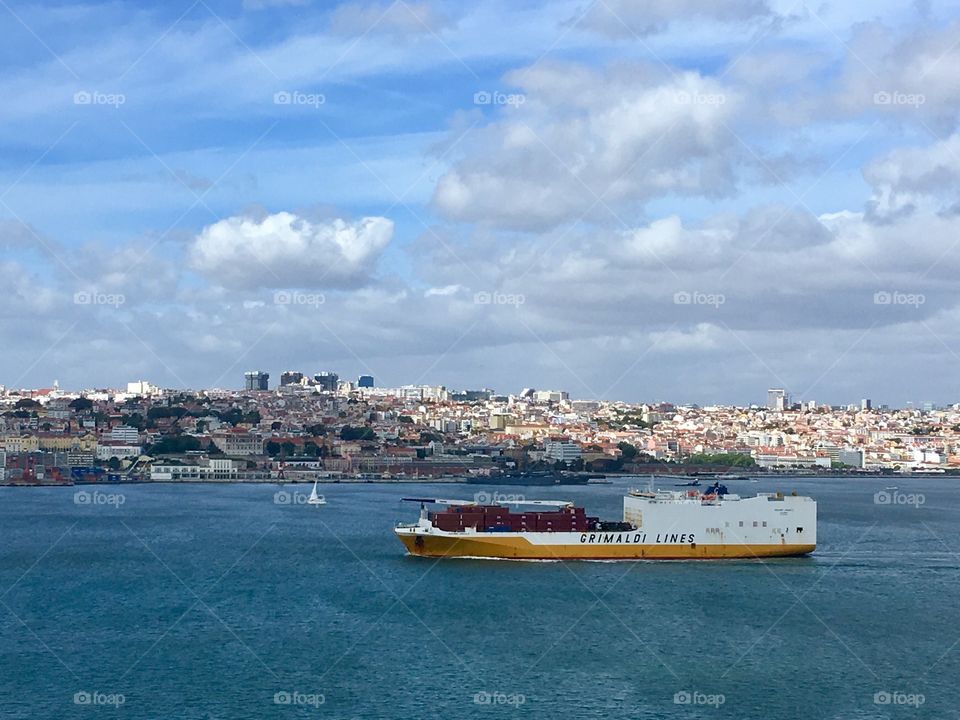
(656, 525)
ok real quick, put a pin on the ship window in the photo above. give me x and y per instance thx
(764, 523)
(799, 529)
(754, 523)
(741, 523)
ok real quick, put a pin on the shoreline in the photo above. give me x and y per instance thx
(740, 477)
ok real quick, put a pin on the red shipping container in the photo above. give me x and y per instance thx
(447, 522)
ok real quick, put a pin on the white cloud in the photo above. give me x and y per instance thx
(700, 338)
(286, 250)
(444, 291)
(626, 18)
(910, 178)
(907, 76)
(589, 140)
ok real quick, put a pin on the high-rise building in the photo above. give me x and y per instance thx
(776, 399)
(327, 381)
(866, 404)
(365, 381)
(291, 377)
(256, 380)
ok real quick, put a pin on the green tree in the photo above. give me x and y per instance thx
(135, 420)
(348, 432)
(81, 404)
(728, 459)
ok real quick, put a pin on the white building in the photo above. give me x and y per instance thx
(214, 470)
(107, 450)
(776, 399)
(564, 451)
(554, 396)
(141, 387)
(124, 434)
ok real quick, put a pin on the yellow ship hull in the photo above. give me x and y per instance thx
(519, 548)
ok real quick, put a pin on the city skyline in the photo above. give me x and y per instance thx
(331, 381)
(688, 201)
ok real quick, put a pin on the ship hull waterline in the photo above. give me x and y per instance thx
(519, 548)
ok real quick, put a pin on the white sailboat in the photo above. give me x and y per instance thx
(314, 498)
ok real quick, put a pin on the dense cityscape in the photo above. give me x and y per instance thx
(321, 427)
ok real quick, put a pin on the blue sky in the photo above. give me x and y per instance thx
(791, 159)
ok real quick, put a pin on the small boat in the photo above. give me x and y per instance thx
(314, 498)
(891, 488)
